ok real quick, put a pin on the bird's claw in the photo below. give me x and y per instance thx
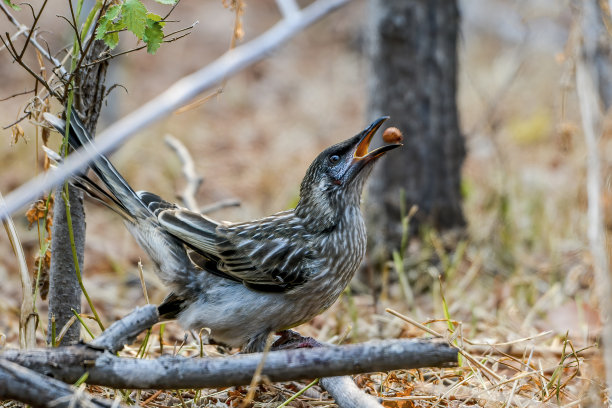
(290, 339)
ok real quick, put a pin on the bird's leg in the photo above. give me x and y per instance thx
(286, 336)
(290, 339)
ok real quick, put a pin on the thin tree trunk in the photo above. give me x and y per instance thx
(64, 289)
(413, 53)
(594, 89)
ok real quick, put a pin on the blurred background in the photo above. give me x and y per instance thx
(524, 266)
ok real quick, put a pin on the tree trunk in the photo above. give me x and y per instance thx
(64, 289)
(413, 53)
(594, 90)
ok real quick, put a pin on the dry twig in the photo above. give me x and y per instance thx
(22, 384)
(28, 320)
(194, 181)
(124, 331)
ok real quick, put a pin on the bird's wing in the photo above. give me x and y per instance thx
(172, 305)
(155, 203)
(196, 230)
(257, 253)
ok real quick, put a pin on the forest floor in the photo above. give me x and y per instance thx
(519, 289)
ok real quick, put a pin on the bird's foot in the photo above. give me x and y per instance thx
(290, 339)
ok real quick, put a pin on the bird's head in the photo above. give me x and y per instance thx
(336, 177)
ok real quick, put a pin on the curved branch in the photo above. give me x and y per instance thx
(22, 384)
(193, 179)
(36, 18)
(346, 393)
(167, 372)
(124, 331)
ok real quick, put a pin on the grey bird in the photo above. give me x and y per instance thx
(246, 280)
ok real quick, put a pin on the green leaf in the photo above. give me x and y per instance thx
(135, 17)
(101, 30)
(169, 2)
(153, 36)
(111, 39)
(155, 17)
(17, 8)
(111, 36)
(106, 21)
(113, 12)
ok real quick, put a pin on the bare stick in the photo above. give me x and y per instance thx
(70, 363)
(22, 384)
(194, 181)
(29, 318)
(176, 96)
(18, 59)
(16, 94)
(124, 331)
(219, 205)
(23, 30)
(36, 18)
(288, 8)
(346, 393)
(15, 36)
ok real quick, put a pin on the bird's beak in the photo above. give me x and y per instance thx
(361, 156)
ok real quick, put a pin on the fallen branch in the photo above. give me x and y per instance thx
(346, 393)
(22, 384)
(124, 331)
(342, 388)
(97, 359)
(70, 363)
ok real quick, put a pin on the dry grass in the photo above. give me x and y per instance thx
(516, 297)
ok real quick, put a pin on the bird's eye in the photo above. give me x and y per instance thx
(334, 158)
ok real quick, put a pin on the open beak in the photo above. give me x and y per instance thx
(362, 156)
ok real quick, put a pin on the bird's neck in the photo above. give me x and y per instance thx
(324, 212)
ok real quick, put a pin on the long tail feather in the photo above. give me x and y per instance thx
(123, 194)
(168, 253)
(90, 187)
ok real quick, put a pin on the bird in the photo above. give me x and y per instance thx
(244, 281)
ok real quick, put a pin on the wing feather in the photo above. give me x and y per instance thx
(272, 261)
(196, 230)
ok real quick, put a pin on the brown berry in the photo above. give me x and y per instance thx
(392, 135)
